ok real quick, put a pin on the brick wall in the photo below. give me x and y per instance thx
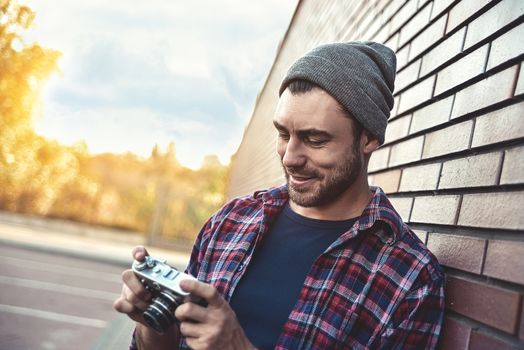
(453, 159)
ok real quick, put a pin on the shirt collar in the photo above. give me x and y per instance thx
(378, 212)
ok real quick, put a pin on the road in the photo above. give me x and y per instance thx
(51, 301)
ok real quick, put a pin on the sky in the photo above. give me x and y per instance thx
(138, 73)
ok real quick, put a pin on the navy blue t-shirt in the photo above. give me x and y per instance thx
(270, 287)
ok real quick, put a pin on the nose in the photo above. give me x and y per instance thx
(292, 153)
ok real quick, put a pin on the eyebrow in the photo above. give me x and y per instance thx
(305, 132)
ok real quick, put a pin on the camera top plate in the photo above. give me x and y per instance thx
(157, 274)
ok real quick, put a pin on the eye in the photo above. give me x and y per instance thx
(315, 141)
(283, 135)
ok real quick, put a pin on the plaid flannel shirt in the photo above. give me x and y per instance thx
(376, 287)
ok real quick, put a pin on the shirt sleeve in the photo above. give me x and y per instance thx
(417, 322)
(197, 255)
(192, 269)
(204, 236)
(133, 345)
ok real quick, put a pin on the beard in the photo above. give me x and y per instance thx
(329, 186)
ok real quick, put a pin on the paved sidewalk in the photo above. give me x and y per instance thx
(79, 240)
(116, 336)
(67, 238)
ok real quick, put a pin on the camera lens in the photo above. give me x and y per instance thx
(160, 314)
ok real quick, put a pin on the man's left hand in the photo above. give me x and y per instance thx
(212, 327)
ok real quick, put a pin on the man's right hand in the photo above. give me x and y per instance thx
(133, 300)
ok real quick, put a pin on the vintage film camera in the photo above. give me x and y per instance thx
(163, 281)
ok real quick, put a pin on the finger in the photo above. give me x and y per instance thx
(191, 312)
(190, 330)
(136, 287)
(134, 299)
(124, 306)
(139, 253)
(202, 290)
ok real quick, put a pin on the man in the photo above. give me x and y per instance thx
(323, 262)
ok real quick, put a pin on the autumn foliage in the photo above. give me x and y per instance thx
(42, 177)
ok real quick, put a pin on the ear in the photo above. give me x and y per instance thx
(368, 142)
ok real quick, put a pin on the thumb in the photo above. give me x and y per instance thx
(139, 253)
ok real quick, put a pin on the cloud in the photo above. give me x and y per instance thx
(157, 71)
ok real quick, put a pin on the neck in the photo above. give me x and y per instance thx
(348, 205)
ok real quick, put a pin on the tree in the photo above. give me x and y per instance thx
(24, 68)
(43, 177)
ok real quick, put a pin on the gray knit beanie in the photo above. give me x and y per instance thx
(359, 75)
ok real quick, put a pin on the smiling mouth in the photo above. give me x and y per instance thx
(297, 180)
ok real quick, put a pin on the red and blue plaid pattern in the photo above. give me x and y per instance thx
(376, 287)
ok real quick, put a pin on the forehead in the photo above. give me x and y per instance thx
(315, 109)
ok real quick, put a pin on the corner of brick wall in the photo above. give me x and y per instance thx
(453, 159)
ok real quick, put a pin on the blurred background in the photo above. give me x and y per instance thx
(118, 121)
(127, 116)
(126, 123)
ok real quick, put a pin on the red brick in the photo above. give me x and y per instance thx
(439, 6)
(513, 168)
(407, 76)
(380, 5)
(401, 17)
(459, 252)
(483, 341)
(443, 52)
(428, 37)
(521, 330)
(520, 83)
(416, 94)
(422, 3)
(504, 260)
(373, 31)
(378, 23)
(435, 209)
(462, 11)
(410, 29)
(495, 88)
(396, 100)
(382, 35)
(454, 138)
(422, 235)
(494, 19)
(406, 151)
(420, 178)
(402, 57)
(392, 8)
(379, 159)
(464, 69)
(434, 114)
(388, 180)
(500, 125)
(506, 47)
(392, 43)
(479, 170)
(502, 210)
(397, 128)
(370, 15)
(403, 206)
(490, 305)
(356, 15)
(454, 336)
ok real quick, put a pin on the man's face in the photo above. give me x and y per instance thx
(319, 153)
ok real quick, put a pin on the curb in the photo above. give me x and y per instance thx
(117, 261)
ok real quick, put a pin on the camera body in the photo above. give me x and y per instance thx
(163, 281)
